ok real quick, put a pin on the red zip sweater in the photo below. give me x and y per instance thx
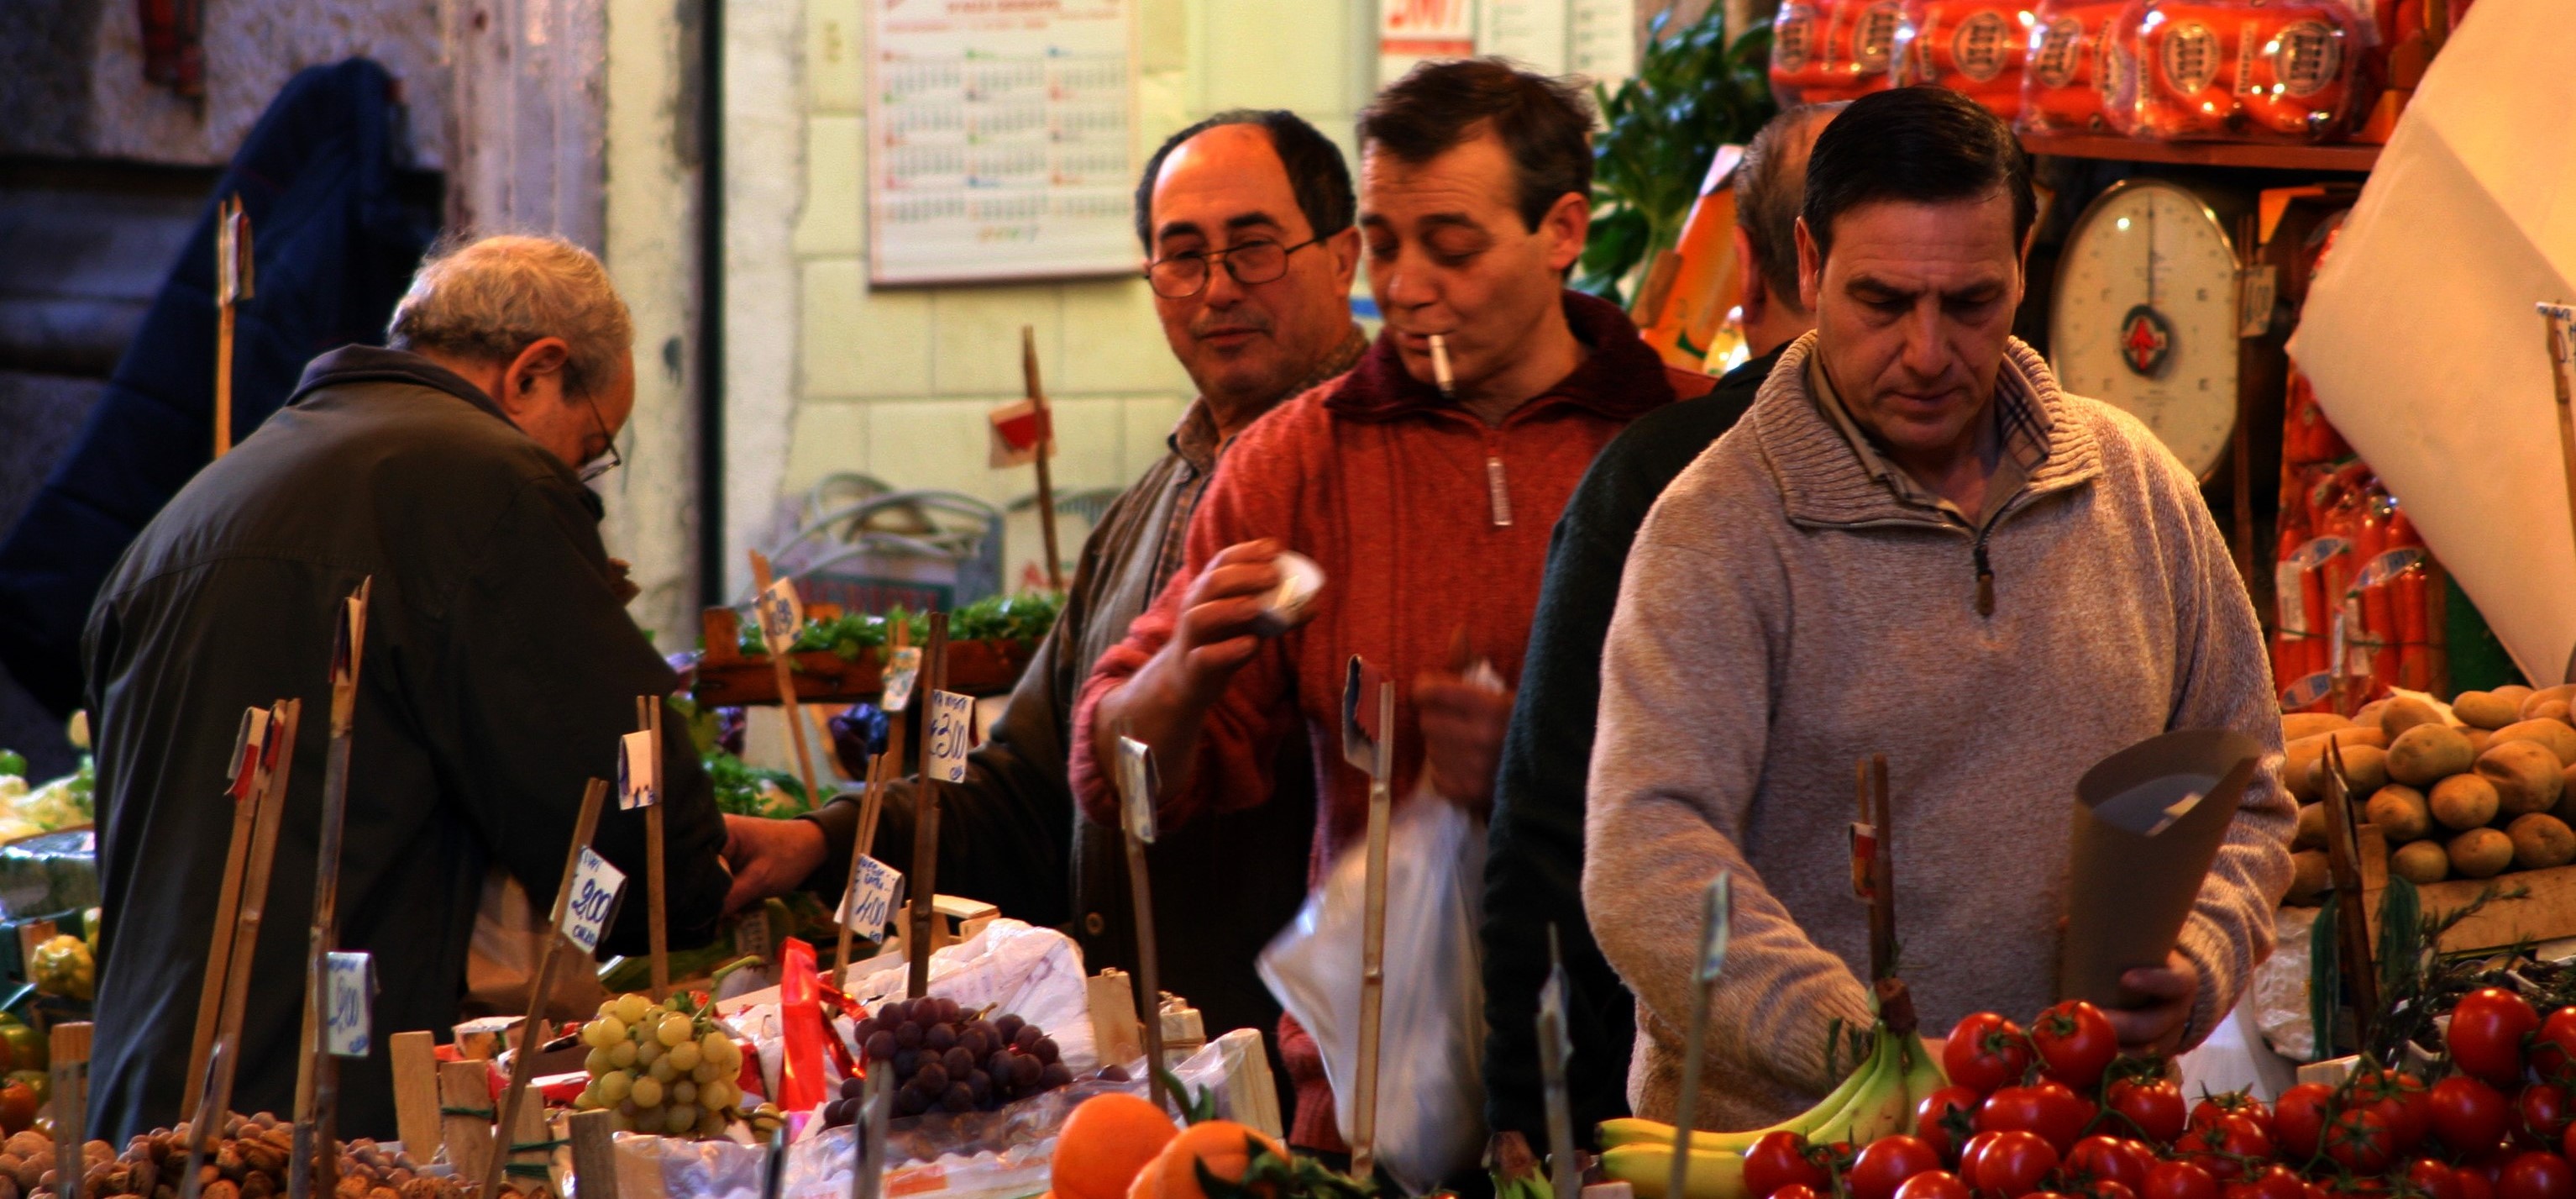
(1385, 485)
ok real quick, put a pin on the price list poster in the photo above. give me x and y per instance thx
(1000, 139)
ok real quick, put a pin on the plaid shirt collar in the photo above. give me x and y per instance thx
(1196, 439)
(2022, 423)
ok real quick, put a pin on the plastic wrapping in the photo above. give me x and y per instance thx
(49, 874)
(1430, 1113)
(1825, 50)
(1035, 973)
(1973, 47)
(2075, 79)
(2245, 69)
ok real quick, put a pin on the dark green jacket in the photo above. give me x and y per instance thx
(500, 669)
(1534, 851)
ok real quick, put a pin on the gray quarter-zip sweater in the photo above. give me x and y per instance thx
(1787, 612)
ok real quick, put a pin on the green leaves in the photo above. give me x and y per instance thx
(1024, 618)
(1693, 92)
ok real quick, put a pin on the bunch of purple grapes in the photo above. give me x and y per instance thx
(948, 1059)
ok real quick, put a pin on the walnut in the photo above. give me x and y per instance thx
(258, 1185)
(350, 1186)
(419, 1188)
(221, 1188)
(383, 1193)
(260, 1155)
(26, 1144)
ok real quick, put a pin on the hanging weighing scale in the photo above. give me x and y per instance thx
(2145, 316)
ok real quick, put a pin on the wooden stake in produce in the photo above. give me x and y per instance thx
(232, 286)
(648, 720)
(2561, 322)
(1368, 737)
(1880, 866)
(868, 1135)
(223, 1057)
(415, 1061)
(1046, 442)
(317, 1083)
(1714, 922)
(70, 1066)
(897, 707)
(782, 619)
(868, 809)
(523, 1063)
(921, 937)
(1136, 791)
(1553, 1046)
(2352, 918)
(250, 765)
(594, 1154)
(465, 1116)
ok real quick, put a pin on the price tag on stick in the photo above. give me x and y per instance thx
(952, 731)
(874, 893)
(352, 994)
(639, 771)
(782, 616)
(902, 670)
(595, 888)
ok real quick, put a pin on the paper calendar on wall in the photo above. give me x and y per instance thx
(1001, 139)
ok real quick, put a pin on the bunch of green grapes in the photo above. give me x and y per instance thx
(661, 1068)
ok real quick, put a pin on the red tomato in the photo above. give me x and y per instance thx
(2154, 1106)
(1986, 1052)
(2075, 1044)
(2467, 1114)
(2048, 1109)
(1778, 1160)
(2299, 1119)
(2213, 1108)
(1933, 1184)
(2409, 1108)
(2435, 1180)
(2107, 1159)
(2536, 1176)
(1888, 1162)
(2359, 1139)
(2106, 1189)
(2542, 1109)
(2223, 1148)
(2014, 1163)
(2487, 1031)
(2179, 1180)
(1796, 1191)
(1946, 1119)
(1974, 1149)
(2280, 1182)
(2473, 1184)
(2553, 1048)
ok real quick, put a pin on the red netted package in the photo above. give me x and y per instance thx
(2075, 79)
(1825, 50)
(2243, 70)
(1974, 47)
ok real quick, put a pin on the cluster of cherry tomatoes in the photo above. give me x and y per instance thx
(2055, 1112)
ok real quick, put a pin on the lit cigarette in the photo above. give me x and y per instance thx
(1440, 367)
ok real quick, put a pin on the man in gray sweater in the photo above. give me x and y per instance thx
(1913, 544)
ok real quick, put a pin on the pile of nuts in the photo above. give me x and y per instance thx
(250, 1162)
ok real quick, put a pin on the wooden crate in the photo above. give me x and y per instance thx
(2547, 914)
(727, 677)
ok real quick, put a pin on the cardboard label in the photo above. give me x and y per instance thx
(902, 670)
(2254, 300)
(595, 886)
(1136, 788)
(1719, 916)
(952, 731)
(351, 991)
(250, 751)
(782, 616)
(872, 898)
(639, 772)
(1864, 855)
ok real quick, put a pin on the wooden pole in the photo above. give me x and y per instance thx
(252, 747)
(1373, 942)
(415, 1062)
(223, 1061)
(523, 1064)
(2561, 322)
(1046, 443)
(594, 1154)
(1137, 793)
(70, 1066)
(859, 850)
(794, 711)
(232, 286)
(317, 1083)
(898, 639)
(1882, 907)
(648, 718)
(2352, 916)
(2241, 440)
(1704, 968)
(465, 1116)
(925, 827)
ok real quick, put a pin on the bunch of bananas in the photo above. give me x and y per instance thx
(1877, 1100)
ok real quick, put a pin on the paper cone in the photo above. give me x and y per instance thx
(2148, 822)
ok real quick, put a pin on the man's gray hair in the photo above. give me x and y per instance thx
(486, 299)
(1771, 186)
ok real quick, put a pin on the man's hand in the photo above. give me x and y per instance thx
(1214, 636)
(769, 857)
(2158, 1025)
(1462, 736)
(618, 570)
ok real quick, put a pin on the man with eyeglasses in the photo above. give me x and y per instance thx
(500, 669)
(1245, 222)
(1424, 483)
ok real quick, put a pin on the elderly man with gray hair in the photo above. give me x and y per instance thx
(500, 669)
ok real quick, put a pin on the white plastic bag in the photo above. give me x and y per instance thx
(1431, 1038)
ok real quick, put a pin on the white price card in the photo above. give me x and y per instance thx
(871, 899)
(351, 992)
(1136, 788)
(639, 771)
(952, 732)
(902, 670)
(782, 616)
(595, 885)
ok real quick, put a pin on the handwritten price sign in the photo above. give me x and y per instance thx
(639, 773)
(871, 900)
(782, 617)
(595, 885)
(952, 732)
(902, 670)
(351, 990)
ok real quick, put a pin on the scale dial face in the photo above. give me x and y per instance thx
(2145, 316)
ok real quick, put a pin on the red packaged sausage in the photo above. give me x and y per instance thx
(1824, 50)
(2244, 70)
(2074, 80)
(1974, 47)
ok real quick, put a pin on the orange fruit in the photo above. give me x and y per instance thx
(17, 1108)
(1106, 1141)
(1223, 1146)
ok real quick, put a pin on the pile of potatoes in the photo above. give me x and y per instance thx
(2495, 791)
